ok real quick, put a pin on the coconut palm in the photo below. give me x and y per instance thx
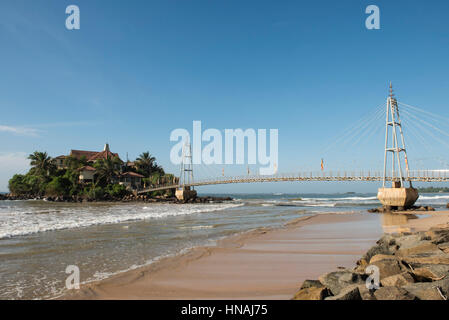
(107, 169)
(74, 163)
(147, 165)
(42, 163)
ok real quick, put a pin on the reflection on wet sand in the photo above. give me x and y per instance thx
(396, 223)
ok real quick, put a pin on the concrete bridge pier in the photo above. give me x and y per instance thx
(185, 194)
(397, 197)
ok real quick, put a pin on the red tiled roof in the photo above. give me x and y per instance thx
(93, 155)
(81, 153)
(87, 168)
(132, 174)
(103, 155)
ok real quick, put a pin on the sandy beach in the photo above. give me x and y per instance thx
(261, 264)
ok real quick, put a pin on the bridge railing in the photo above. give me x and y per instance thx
(331, 175)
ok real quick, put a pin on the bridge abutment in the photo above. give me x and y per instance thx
(397, 197)
(185, 194)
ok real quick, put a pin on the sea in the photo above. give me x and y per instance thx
(39, 239)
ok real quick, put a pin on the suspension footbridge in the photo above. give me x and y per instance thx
(400, 173)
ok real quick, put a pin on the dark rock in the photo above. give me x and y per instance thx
(441, 239)
(349, 293)
(398, 280)
(311, 284)
(365, 293)
(429, 290)
(420, 248)
(381, 248)
(393, 293)
(409, 241)
(388, 268)
(338, 280)
(379, 257)
(312, 293)
(430, 272)
(361, 266)
(444, 247)
(434, 257)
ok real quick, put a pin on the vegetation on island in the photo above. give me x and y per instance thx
(45, 179)
(433, 189)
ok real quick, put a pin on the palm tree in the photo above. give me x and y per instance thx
(42, 163)
(107, 169)
(74, 163)
(147, 165)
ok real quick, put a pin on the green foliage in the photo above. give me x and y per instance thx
(17, 185)
(107, 169)
(36, 184)
(59, 186)
(28, 184)
(147, 166)
(433, 189)
(116, 190)
(45, 179)
(41, 163)
(73, 163)
(94, 192)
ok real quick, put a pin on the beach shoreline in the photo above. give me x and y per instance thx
(265, 263)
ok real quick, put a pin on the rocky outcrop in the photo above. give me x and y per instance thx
(393, 293)
(401, 209)
(312, 293)
(337, 281)
(348, 293)
(411, 266)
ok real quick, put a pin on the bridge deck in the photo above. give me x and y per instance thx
(424, 176)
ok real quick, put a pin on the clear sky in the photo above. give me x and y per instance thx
(138, 69)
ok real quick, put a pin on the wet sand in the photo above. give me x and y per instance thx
(406, 222)
(262, 264)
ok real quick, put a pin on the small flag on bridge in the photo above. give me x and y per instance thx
(322, 164)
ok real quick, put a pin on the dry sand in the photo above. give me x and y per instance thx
(262, 264)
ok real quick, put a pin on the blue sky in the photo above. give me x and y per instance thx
(138, 69)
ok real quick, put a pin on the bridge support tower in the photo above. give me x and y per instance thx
(185, 192)
(398, 196)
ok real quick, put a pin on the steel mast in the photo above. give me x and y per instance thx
(393, 125)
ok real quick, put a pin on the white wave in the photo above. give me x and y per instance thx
(321, 205)
(357, 198)
(197, 227)
(339, 199)
(421, 197)
(19, 223)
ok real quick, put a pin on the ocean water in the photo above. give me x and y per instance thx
(39, 239)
